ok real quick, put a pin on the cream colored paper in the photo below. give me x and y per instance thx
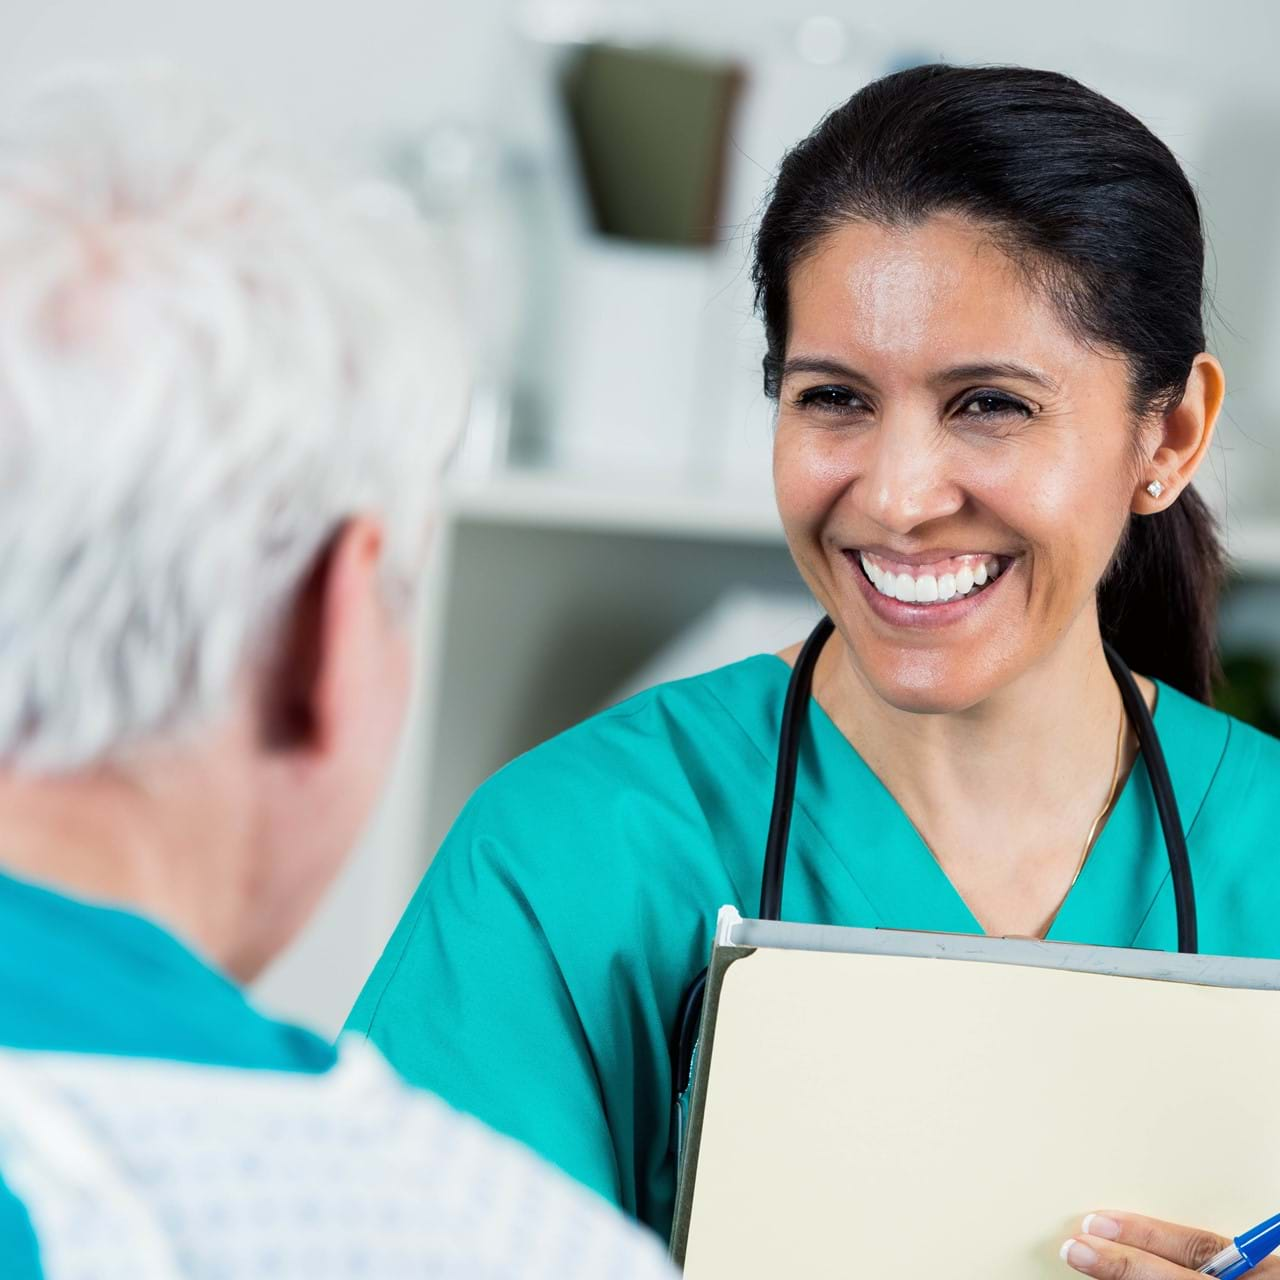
(910, 1118)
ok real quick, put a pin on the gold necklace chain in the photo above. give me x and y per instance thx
(1106, 808)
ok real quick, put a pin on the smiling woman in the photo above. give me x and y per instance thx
(955, 517)
(982, 301)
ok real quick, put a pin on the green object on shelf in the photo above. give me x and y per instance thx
(651, 128)
(1248, 690)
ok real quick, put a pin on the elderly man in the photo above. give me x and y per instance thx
(225, 389)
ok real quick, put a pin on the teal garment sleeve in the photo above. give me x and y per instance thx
(535, 978)
(19, 1249)
(470, 1002)
(1233, 837)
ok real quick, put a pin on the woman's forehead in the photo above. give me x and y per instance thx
(912, 300)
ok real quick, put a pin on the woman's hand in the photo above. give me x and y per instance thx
(1124, 1246)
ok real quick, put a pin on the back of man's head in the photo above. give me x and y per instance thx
(210, 358)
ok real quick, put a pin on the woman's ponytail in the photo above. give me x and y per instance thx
(1158, 604)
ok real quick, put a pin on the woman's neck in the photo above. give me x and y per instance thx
(1004, 792)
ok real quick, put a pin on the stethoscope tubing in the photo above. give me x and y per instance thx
(794, 717)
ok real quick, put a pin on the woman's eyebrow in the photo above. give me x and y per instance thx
(823, 365)
(826, 366)
(1000, 369)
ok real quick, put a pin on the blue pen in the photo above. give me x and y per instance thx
(1245, 1251)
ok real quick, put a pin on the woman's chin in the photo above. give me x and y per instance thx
(925, 702)
(927, 683)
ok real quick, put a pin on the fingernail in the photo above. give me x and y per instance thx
(1098, 1224)
(1075, 1253)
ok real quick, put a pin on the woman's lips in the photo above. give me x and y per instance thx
(937, 579)
(974, 590)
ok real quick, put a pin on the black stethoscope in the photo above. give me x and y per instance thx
(794, 715)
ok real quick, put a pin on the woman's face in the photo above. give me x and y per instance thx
(953, 468)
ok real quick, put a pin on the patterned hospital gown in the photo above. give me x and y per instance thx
(150, 1170)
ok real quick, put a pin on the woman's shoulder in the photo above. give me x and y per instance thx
(665, 784)
(718, 714)
(739, 689)
(1235, 767)
(1251, 766)
(659, 788)
(1227, 777)
(1206, 729)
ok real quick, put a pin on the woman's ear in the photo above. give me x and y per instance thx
(1183, 439)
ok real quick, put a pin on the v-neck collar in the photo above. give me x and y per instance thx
(889, 862)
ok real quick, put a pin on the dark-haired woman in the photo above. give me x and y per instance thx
(982, 293)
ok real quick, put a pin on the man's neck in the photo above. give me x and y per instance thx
(161, 850)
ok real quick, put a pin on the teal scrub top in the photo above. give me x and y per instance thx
(77, 977)
(536, 975)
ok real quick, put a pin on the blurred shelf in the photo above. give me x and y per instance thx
(580, 503)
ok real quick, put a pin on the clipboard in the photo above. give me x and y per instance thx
(870, 1101)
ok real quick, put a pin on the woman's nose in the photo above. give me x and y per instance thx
(906, 479)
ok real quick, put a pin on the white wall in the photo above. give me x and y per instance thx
(353, 74)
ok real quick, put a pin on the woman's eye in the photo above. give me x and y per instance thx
(832, 399)
(992, 404)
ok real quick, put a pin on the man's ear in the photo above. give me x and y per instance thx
(1185, 434)
(324, 641)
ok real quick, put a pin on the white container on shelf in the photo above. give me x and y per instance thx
(620, 398)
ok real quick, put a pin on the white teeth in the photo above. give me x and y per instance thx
(928, 588)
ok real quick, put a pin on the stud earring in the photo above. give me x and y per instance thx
(1155, 488)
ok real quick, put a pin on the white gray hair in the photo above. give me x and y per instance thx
(210, 357)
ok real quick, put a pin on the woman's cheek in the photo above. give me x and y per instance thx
(811, 473)
(793, 486)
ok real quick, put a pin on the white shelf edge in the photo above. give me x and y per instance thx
(561, 502)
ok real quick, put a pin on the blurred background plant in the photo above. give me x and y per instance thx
(1248, 690)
